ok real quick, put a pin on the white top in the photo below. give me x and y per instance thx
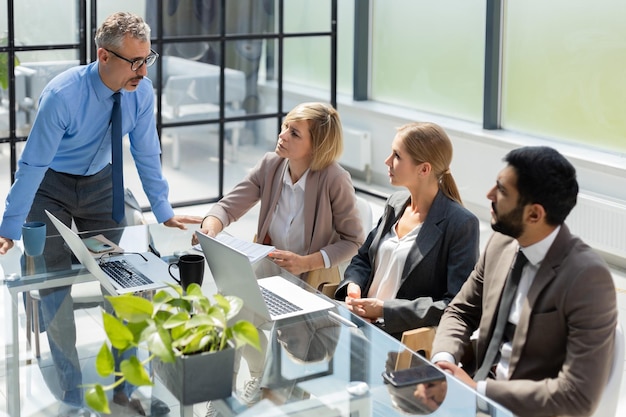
(390, 260)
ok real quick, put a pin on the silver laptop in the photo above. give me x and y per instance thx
(272, 298)
(119, 273)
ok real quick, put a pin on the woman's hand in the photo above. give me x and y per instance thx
(210, 226)
(294, 263)
(371, 309)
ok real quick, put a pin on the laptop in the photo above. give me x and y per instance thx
(119, 273)
(273, 298)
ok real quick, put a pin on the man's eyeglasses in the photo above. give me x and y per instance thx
(135, 64)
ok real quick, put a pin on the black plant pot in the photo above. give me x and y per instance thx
(198, 378)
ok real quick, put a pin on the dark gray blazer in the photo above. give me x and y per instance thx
(442, 257)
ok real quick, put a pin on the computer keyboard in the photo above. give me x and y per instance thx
(276, 304)
(124, 274)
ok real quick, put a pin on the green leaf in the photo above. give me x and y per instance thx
(134, 372)
(177, 288)
(206, 320)
(236, 304)
(222, 302)
(159, 343)
(96, 399)
(161, 297)
(180, 303)
(190, 344)
(131, 308)
(117, 332)
(218, 317)
(162, 316)
(176, 320)
(105, 363)
(244, 332)
(137, 329)
(194, 289)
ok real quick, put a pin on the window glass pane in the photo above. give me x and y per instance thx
(5, 171)
(249, 16)
(187, 18)
(40, 22)
(306, 60)
(108, 7)
(345, 46)
(307, 16)
(563, 76)
(35, 70)
(190, 164)
(429, 55)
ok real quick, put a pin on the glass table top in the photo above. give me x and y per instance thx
(329, 363)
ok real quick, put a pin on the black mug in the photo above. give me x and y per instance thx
(190, 270)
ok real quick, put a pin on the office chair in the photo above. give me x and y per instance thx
(366, 215)
(610, 396)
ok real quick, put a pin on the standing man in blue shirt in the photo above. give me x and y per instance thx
(66, 168)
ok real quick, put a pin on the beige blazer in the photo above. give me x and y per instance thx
(563, 344)
(331, 218)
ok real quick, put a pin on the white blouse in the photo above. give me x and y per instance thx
(287, 227)
(390, 260)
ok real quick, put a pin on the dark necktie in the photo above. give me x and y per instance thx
(116, 158)
(508, 295)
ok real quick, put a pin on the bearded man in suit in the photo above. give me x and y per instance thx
(556, 349)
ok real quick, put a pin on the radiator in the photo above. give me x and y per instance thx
(600, 222)
(357, 151)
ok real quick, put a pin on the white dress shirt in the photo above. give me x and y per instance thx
(287, 227)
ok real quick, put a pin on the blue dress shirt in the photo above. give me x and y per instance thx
(72, 134)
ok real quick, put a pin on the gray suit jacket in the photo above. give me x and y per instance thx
(331, 219)
(563, 343)
(440, 260)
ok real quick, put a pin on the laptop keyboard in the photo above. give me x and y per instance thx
(124, 274)
(276, 304)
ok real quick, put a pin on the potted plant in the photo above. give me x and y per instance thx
(4, 64)
(176, 327)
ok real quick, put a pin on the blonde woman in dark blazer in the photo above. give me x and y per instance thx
(425, 244)
(322, 228)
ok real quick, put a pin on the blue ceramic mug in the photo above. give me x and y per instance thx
(34, 238)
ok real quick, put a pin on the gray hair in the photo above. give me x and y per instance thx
(115, 28)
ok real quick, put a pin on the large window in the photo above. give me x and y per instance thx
(218, 82)
(308, 60)
(429, 55)
(563, 75)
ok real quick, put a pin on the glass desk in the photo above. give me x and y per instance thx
(322, 364)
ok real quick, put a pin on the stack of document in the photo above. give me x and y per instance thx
(254, 251)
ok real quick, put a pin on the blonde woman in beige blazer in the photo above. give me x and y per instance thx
(308, 146)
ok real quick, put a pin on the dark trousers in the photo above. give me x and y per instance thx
(88, 201)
